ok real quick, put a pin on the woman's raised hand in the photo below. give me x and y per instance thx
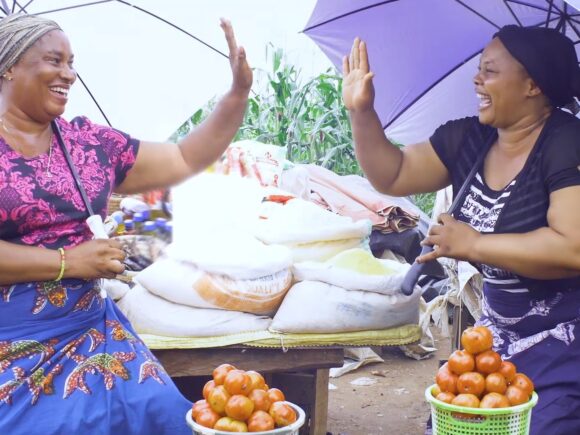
(241, 71)
(358, 92)
(101, 258)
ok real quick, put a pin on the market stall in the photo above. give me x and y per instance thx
(271, 272)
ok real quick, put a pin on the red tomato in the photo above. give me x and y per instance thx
(260, 421)
(508, 370)
(198, 407)
(445, 397)
(494, 400)
(238, 382)
(461, 361)
(471, 383)
(446, 380)
(516, 396)
(220, 372)
(228, 424)
(435, 390)
(217, 399)
(257, 379)
(209, 385)
(260, 399)
(282, 413)
(495, 383)
(207, 418)
(276, 395)
(467, 400)
(523, 383)
(487, 362)
(476, 339)
(239, 407)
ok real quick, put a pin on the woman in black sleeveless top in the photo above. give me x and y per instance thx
(519, 218)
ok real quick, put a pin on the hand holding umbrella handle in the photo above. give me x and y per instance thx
(414, 273)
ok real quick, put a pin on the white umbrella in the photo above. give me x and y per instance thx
(149, 64)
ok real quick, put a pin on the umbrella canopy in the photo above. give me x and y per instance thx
(425, 53)
(145, 66)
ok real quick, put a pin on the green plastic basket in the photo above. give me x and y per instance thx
(514, 420)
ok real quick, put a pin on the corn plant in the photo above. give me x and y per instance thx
(309, 119)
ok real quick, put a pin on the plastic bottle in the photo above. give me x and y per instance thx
(146, 214)
(149, 229)
(130, 206)
(139, 219)
(168, 232)
(160, 223)
(129, 227)
(119, 217)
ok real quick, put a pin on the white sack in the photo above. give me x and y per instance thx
(184, 283)
(376, 275)
(150, 314)
(321, 251)
(207, 203)
(299, 222)
(213, 215)
(115, 289)
(233, 253)
(316, 307)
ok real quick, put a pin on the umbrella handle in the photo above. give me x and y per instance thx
(414, 273)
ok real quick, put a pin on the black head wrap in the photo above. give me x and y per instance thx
(549, 58)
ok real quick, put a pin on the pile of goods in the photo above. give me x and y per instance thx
(477, 377)
(241, 401)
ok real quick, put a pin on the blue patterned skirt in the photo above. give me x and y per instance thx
(70, 363)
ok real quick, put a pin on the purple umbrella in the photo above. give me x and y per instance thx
(424, 53)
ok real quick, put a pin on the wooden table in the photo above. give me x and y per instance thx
(301, 373)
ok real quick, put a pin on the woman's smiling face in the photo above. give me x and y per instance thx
(42, 77)
(502, 85)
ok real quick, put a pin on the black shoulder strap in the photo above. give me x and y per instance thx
(459, 198)
(57, 133)
(416, 270)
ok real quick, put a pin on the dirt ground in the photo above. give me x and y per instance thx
(394, 405)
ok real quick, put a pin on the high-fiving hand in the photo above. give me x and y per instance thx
(241, 71)
(358, 92)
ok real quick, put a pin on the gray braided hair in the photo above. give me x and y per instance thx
(18, 33)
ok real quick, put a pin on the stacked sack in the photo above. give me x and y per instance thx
(215, 278)
(352, 291)
(207, 291)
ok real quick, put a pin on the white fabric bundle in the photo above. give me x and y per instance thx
(310, 232)
(298, 222)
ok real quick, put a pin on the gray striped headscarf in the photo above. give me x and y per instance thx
(18, 33)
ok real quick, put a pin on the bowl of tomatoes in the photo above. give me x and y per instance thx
(235, 426)
(241, 401)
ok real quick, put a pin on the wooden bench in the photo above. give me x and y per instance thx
(301, 373)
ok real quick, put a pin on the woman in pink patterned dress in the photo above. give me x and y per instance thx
(70, 362)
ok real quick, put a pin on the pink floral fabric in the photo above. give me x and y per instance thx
(40, 204)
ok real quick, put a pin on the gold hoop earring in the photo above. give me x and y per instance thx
(4, 76)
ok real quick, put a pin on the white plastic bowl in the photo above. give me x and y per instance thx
(291, 429)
